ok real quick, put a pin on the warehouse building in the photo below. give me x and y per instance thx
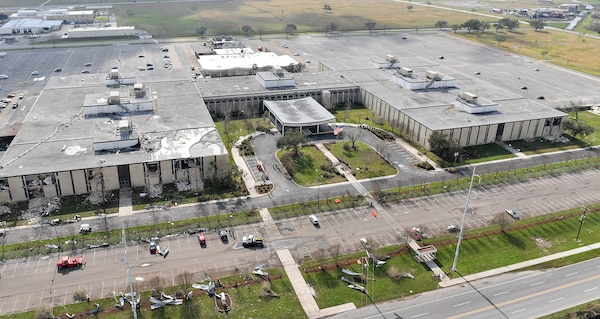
(29, 26)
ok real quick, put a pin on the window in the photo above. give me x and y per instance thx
(547, 123)
(557, 121)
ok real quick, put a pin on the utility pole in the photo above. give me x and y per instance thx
(581, 219)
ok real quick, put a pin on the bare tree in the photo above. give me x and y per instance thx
(502, 220)
(383, 149)
(370, 26)
(335, 251)
(320, 256)
(353, 137)
(368, 158)
(185, 280)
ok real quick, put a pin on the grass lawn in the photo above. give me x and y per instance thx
(364, 161)
(309, 167)
(565, 49)
(484, 153)
(249, 301)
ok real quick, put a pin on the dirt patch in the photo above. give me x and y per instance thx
(542, 243)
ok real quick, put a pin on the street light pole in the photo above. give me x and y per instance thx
(455, 157)
(462, 224)
(582, 218)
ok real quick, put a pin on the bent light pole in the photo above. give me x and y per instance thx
(462, 224)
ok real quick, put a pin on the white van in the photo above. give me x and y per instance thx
(3, 76)
(313, 219)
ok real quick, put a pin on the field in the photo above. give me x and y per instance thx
(272, 16)
(573, 51)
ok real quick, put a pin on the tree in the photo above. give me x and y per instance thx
(441, 24)
(370, 26)
(502, 220)
(509, 23)
(410, 7)
(500, 38)
(331, 26)
(353, 137)
(544, 53)
(484, 26)
(247, 29)
(201, 31)
(537, 24)
(261, 31)
(444, 147)
(578, 127)
(327, 7)
(472, 24)
(455, 27)
(292, 138)
(290, 28)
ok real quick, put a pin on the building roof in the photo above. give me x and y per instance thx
(30, 23)
(247, 61)
(57, 137)
(299, 112)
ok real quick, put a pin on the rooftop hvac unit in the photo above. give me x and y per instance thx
(278, 71)
(114, 74)
(468, 96)
(114, 97)
(405, 71)
(432, 75)
(390, 58)
(139, 90)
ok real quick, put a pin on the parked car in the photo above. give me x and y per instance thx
(313, 219)
(453, 229)
(201, 239)
(223, 235)
(513, 214)
(58, 70)
(85, 229)
(153, 248)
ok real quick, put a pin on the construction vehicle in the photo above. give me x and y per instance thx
(69, 262)
(252, 241)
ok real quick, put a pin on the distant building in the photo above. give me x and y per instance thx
(64, 15)
(29, 26)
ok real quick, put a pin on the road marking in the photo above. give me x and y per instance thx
(571, 274)
(501, 293)
(462, 304)
(557, 299)
(539, 293)
(587, 290)
(537, 283)
(420, 315)
(522, 309)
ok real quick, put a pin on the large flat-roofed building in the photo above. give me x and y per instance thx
(85, 137)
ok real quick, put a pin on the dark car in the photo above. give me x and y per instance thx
(58, 70)
(153, 248)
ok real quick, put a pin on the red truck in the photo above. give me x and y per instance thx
(69, 262)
